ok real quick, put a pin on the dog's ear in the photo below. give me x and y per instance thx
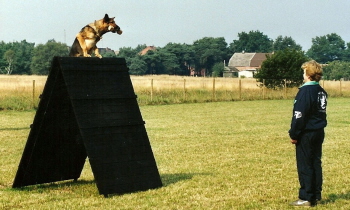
(106, 18)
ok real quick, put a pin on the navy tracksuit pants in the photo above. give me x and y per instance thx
(309, 164)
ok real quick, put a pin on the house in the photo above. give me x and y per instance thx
(246, 64)
(105, 50)
(148, 48)
(229, 73)
(195, 73)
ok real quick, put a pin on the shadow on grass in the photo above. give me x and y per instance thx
(55, 185)
(333, 197)
(168, 179)
(14, 129)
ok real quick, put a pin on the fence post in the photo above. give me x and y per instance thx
(33, 104)
(151, 89)
(340, 90)
(214, 95)
(240, 88)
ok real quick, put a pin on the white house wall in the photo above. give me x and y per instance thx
(247, 74)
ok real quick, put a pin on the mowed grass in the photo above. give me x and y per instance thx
(223, 155)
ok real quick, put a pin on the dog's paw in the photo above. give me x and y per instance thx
(99, 56)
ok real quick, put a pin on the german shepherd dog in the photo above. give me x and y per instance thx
(86, 40)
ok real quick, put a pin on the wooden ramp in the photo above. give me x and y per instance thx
(89, 109)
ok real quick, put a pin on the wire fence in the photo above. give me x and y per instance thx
(22, 92)
(193, 89)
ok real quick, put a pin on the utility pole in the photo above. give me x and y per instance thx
(65, 36)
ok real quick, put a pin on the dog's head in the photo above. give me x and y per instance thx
(112, 26)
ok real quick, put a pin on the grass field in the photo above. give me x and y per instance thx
(221, 155)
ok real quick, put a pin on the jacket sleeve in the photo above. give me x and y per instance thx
(302, 105)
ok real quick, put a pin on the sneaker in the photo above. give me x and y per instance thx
(300, 203)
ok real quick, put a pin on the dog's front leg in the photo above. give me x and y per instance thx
(82, 43)
(97, 53)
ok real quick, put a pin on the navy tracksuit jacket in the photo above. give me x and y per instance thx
(309, 112)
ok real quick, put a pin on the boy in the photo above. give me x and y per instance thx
(307, 133)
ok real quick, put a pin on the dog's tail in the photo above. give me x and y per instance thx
(75, 49)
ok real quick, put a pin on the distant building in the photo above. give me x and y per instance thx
(229, 73)
(195, 73)
(148, 48)
(105, 50)
(246, 64)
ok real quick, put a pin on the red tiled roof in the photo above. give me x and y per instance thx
(144, 51)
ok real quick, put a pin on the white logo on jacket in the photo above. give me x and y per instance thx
(322, 101)
(297, 114)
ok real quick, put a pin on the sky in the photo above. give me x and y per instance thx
(159, 22)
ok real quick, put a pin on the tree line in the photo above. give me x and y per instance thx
(206, 55)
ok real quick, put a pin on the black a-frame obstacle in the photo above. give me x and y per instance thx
(89, 109)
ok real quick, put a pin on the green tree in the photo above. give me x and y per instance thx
(9, 57)
(109, 54)
(153, 61)
(218, 69)
(282, 43)
(281, 66)
(209, 51)
(169, 62)
(3, 49)
(346, 54)
(337, 70)
(24, 53)
(327, 48)
(43, 54)
(137, 66)
(19, 53)
(132, 55)
(184, 56)
(254, 41)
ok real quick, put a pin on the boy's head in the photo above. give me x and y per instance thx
(313, 70)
